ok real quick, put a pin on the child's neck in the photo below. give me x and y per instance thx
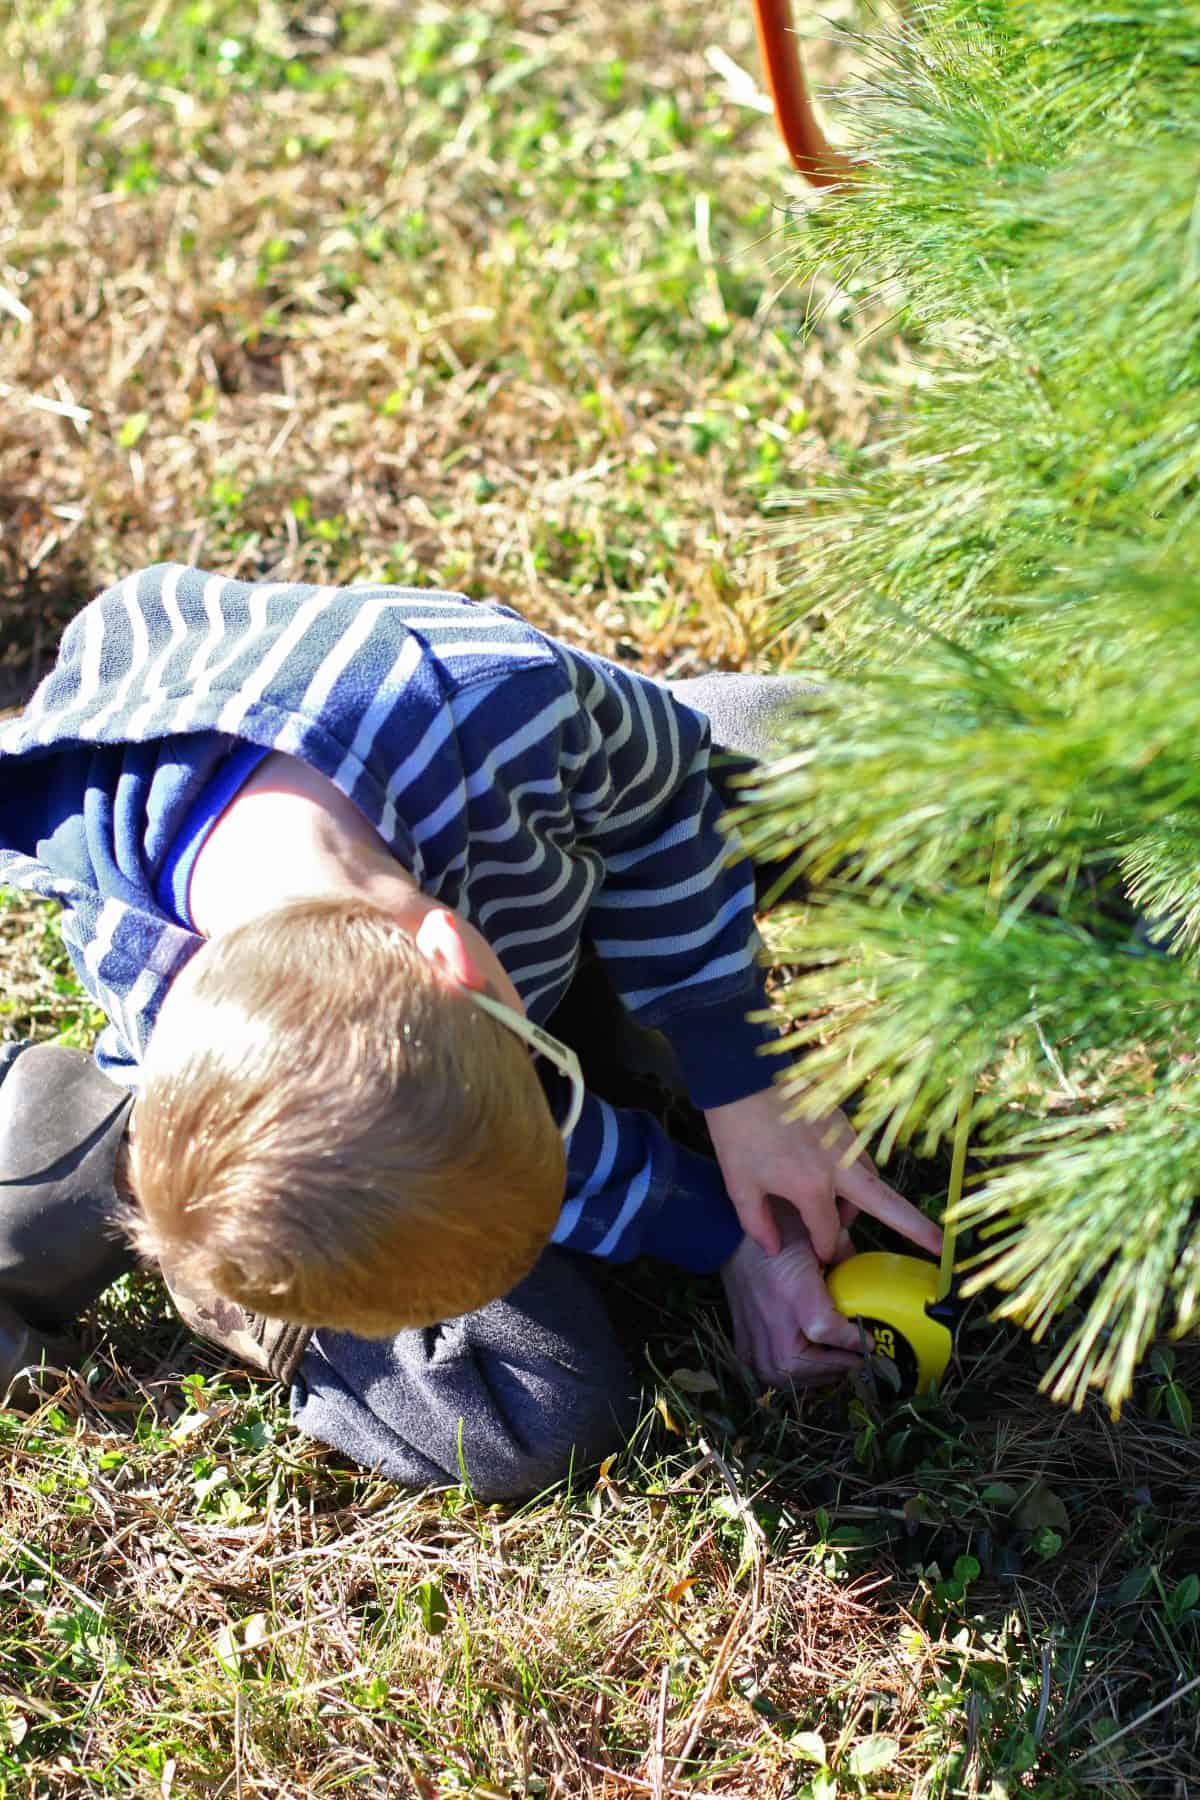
(289, 834)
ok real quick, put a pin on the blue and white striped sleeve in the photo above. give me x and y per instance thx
(673, 918)
(633, 1191)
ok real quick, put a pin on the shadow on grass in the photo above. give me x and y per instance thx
(39, 595)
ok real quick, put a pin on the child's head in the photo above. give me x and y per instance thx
(329, 1131)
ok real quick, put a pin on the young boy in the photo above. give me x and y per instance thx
(328, 859)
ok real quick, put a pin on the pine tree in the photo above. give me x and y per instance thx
(997, 793)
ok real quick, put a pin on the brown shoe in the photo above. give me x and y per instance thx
(268, 1346)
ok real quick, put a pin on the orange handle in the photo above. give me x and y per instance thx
(808, 147)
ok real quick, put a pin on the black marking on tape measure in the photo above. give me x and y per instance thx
(894, 1352)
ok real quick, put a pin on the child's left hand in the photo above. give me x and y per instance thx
(785, 1326)
(762, 1152)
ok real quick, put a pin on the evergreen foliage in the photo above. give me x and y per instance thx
(997, 794)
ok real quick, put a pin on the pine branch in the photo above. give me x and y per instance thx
(1006, 600)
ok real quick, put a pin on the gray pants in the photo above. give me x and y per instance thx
(509, 1397)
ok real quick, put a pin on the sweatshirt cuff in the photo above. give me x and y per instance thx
(722, 1054)
(694, 1226)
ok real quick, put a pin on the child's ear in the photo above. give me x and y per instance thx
(440, 938)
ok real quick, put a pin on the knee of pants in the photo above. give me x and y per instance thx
(586, 1422)
(576, 1428)
(510, 1412)
(748, 713)
(514, 1409)
(61, 1125)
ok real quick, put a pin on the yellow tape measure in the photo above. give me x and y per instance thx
(897, 1299)
(904, 1301)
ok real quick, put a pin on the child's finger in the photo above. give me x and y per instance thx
(811, 1198)
(813, 1364)
(823, 1324)
(845, 1244)
(871, 1195)
(757, 1220)
(820, 1214)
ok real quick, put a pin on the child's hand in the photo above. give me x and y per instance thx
(761, 1152)
(785, 1326)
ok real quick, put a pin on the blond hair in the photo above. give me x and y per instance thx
(328, 1131)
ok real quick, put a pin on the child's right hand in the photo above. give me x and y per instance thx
(785, 1326)
(766, 1157)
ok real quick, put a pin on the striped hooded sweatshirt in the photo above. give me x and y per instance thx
(542, 791)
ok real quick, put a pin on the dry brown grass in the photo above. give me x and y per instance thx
(538, 370)
(211, 1608)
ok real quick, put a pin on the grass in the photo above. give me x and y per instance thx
(495, 297)
(478, 297)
